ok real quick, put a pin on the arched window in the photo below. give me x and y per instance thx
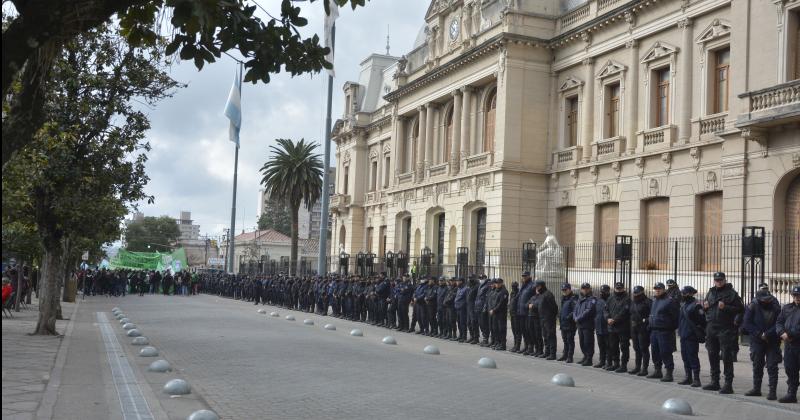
(411, 150)
(489, 123)
(448, 137)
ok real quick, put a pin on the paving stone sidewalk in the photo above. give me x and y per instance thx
(27, 361)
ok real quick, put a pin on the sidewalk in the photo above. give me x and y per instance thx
(28, 361)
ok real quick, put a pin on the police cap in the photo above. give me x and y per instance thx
(566, 286)
(638, 290)
(658, 285)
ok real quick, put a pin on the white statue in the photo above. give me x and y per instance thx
(549, 258)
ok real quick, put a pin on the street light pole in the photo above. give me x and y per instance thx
(323, 226)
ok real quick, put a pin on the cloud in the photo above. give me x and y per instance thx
(191, 162)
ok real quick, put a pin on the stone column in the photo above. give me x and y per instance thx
(685, 75)
(587, 111)
(466, 93)
(455, 140)
(632, 100)
(431, 108)
(399, 152)
(422, 124)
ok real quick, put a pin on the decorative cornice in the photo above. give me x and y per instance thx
(625, 13)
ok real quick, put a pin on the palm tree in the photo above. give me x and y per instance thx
(293, 174)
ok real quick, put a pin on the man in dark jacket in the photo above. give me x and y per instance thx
(640, 333)
(760, 318)
(567, 321)
(431, 300)
(663, 321)
(460, 305)
(788, 329)
(601, 327)
(498, 311)
(516, 330)
(521, 313)
(472, 315)
(418, 300)
(618, 317)
(584, 316)
(691, 329)
(534, 324)
(673, 291)
(547, 310)
(406, 293)
(481, 313)
(722, 304)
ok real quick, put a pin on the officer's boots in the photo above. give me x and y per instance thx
(612, 366)
(772, 395)
(727, 387)
(656, 373)
(643, 372)
(563, 357)
(687, 379)
(696, 381)
(515, 349)
(623, 367)
(587, 361)
(668, 376)
(756, 391)
(790, 397)
(635, 369)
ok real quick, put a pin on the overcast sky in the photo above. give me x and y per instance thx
(191, 164)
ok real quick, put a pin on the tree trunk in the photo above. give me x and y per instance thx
(52, 270)
(295, 234)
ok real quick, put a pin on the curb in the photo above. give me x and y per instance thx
(50, 396)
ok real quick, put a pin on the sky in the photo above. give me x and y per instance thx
(191, 161)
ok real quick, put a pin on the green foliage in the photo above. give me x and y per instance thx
(276, 216)
(159, 233)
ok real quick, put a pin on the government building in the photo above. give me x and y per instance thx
(657, 119)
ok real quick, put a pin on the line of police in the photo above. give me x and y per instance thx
(476, 312)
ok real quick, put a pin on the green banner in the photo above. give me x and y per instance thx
(159, 261)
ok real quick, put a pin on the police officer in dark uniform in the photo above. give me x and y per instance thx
(788, 329)
(722, 304)
(640, 333)
(759, 321)
(692, 331)
(568, 327)
(419, 308)
(460, 305)
(584, 315)
(498, 311)
(601, 327)
(431, 297)
(405, 293)
(481, 306)
(521, 313)
(673, 291)
(472, 320)
(547, 309)
(618, 317)
(516, 330)
(664, 318)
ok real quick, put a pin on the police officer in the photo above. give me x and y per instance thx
(498, 312)
(640, 333)
(722, 304)
(419, 308)
(692, 331)
(516, 330)
(521, 313)
(618, 317)
(585, 312)
(547, 309)
(481, 303)
(568, 327)
(460, 305)
(601, 327)
(472, 320)
(664, 314)
(673, 291)
(759, 321)
(431, 300)
(405, 293)
(788, 329)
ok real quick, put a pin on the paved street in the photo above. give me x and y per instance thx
(247, 365)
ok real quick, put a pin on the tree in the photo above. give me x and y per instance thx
(293, 174)
(196, 30)
(276, 216)
(152, 234)
(86, 164)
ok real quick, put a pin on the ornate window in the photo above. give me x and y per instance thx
(346, 179)
(448, 137)
(654, 243)
(612, 110)
(709, 228)
(722, 77)
(566, 219)
(571, 106)
(373, 185)
(662, 91)
(489, 124)
(660, 60)
(607, 226)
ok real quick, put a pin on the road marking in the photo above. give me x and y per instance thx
(131, 400)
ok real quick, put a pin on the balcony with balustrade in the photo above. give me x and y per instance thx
(608, 148)
(657, 138)
(779, 104)
(567, 158)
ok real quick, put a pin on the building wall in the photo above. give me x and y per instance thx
(535, 62)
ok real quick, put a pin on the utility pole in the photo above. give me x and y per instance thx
(323, 225)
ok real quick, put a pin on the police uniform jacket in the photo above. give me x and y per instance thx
(618, 308)
(723, 319)
(568, 304)
(546, 305)
(420, 292)
(761, 319)
(480, 297)
(640, 311)
(499, 302)
(600, 320)
(664, 314)
(692, 321)
(513, 301)
(585, 312)
(789, 322)
(525, 294)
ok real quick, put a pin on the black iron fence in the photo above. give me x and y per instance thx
(688, 260)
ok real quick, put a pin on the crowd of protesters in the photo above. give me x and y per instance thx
(121, 282)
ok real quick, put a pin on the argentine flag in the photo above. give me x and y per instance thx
(233, 109)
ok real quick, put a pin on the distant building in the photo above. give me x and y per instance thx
(189, 231)
(269, 251)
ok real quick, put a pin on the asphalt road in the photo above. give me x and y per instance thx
(247, 365)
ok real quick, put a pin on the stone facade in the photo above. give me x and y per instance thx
(645, 118)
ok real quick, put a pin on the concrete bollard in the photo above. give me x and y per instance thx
(389, 340)
(133, 333)
(203, 415)
(275, 314)
(140, 341)
(290, 317)
(330, 327)
(177, 387)
(431, 349)
(262, 311)
(562, 379)
(159, 366)
(357, 333)
(308, 322)
(124, 321)
(487, 363)
(148, 351)
(677, 406)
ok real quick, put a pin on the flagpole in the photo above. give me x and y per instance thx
(232, 233)
(323, 229)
